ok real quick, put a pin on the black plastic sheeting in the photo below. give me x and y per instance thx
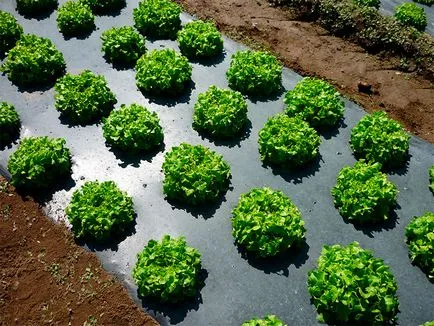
(388, 8)
(236, 288)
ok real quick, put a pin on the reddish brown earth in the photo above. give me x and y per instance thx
(311, 50)
(47, 279)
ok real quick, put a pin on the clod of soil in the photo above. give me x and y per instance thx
(47, 279)
(364, 87)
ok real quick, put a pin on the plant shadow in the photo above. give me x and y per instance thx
(255, 98)
(400, 169)
(425, 269)
(134, 159)
(229, 142)
(111, 12)
(79, 36)
(377, 227)
(176, 312)
(171, 100)
(112, 242)
(154, 37)
(12, 139)
(43, 196)
(66, 121)
(118, 65)
(39, 15)
(329, 320)
(331, 132)
(296, 175)
(43, 87)
(209, 62)
(205, 210)
(296, 255)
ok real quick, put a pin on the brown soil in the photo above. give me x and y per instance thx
(311, 50)
(47, 279)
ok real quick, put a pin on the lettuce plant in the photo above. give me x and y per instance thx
(220, 112)
(315, 101)
(368, 3)
(199, 39)
(431, 178)
(98, 210)
(123, 45)
(194, 174)
(363, 194)
(35, 7)
(270, 320)
(104, 6)
(10, 31)
(9, 123)
(266, 222)
(288, 141)
(39, 162)
(133, 129)
(420, 240)
(168, 270)
(83, 98)
(74, 18)
(163, 72)
(351, 286)
(255, 73)
(428, 323)
(377, 138)
(33, 60)
(411, 14)
(158, 18)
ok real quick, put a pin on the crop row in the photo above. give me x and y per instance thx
(265, 222)
(360, 21)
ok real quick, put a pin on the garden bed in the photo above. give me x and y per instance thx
(236, 287)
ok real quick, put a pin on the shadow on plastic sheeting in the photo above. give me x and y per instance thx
(209, 62)
(43, 196)
(66, 121)
(12, 139)
(46, 13)
(171, 101)
(329, 320)
(111, 12)
(43, 87)
(229, 142)
(296, 175)
(370, 228)
(79, 36)
(279, 264)
(176, 312)
(121, 66)
(267, 98)
(399, 170)
(331, 132)
(113, 241)
(391, 169)
(205, 211)
(134, 159)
